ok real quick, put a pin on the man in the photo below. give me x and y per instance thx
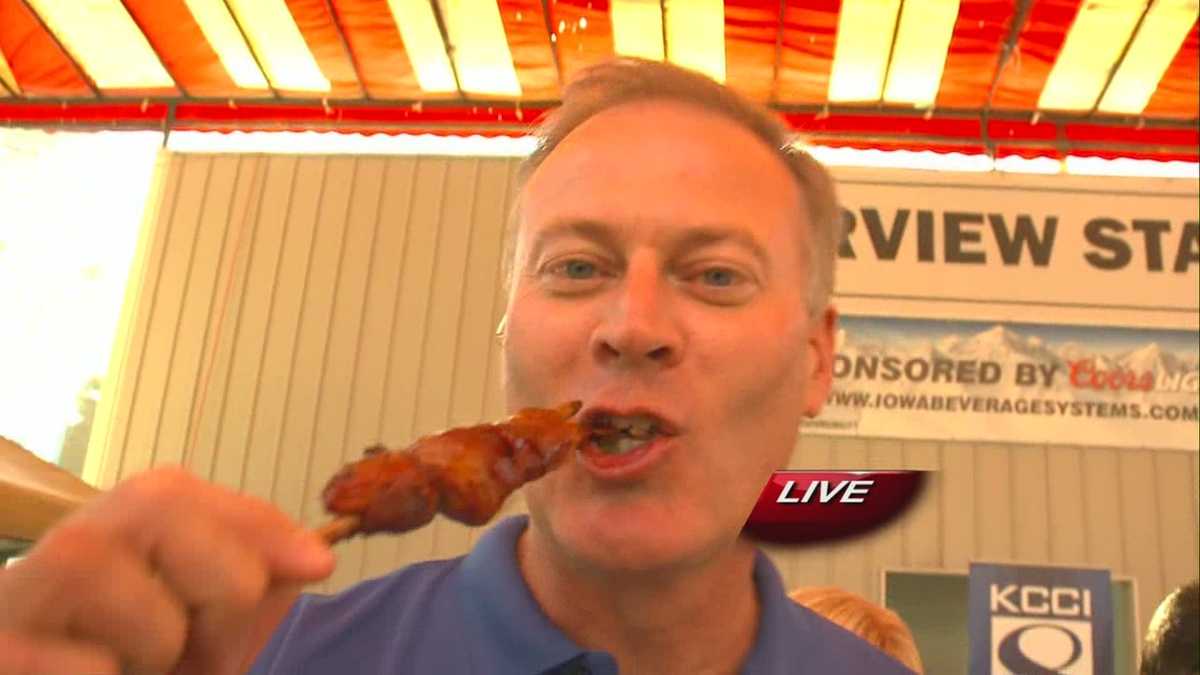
(671, 268)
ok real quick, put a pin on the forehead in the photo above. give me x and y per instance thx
(670, 164)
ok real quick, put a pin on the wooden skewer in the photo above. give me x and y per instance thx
(338, 529)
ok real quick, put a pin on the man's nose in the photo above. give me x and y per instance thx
(639, 329)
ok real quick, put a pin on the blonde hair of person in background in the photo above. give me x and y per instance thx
(879, 626)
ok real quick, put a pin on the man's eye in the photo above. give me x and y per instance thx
(720, 284)
(578, 269)
(719, 276)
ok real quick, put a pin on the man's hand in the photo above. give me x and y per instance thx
(164, 574)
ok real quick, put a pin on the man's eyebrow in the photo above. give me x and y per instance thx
(696, 237)
(593, 230)
(606, 235)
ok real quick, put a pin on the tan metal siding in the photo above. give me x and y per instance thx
(921, 530)
(958, 504)
(1140, 544)
(993, 498)
(1172, 492)
(1066, 505)
(1030, 494)
(888, 545)
(1102, 508)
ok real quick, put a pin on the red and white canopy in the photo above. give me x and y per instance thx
(1029, 77)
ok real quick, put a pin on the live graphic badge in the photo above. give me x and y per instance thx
(1039, 620)
(798, 508)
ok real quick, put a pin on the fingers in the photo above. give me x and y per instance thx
(164, 501)
(220, 553)
(224, 582)
(79, 584)
(133, 613)
(166, 572)
(292, 552)
(35, 655)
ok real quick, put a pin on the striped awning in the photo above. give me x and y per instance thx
(1004, 77)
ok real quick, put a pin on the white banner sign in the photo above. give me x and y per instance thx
(1127, 248)
(1016, 383)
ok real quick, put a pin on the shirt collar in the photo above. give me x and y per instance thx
(783, 628)
(513, 635)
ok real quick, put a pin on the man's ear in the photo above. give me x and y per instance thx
(821, 337)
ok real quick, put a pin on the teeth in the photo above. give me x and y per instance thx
(616, 434)
(639, 429)
(619, 444)
(634, 425)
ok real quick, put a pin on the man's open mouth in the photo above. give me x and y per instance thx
(615, 434)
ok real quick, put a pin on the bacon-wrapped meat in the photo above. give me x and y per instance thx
(465, 473)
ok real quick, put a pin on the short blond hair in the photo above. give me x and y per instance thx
(877, 625)
(627, 80)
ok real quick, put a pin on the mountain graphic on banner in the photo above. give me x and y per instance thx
(998, 344)
(1154, 358)
(1003, 345)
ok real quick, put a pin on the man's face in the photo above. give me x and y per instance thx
(661, 277)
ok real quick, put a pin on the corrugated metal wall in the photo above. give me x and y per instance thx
(295, 309)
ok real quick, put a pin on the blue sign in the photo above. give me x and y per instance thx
(1039, 620)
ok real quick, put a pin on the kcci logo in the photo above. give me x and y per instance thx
(1040, 630)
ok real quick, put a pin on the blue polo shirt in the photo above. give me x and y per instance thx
(474, 614)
